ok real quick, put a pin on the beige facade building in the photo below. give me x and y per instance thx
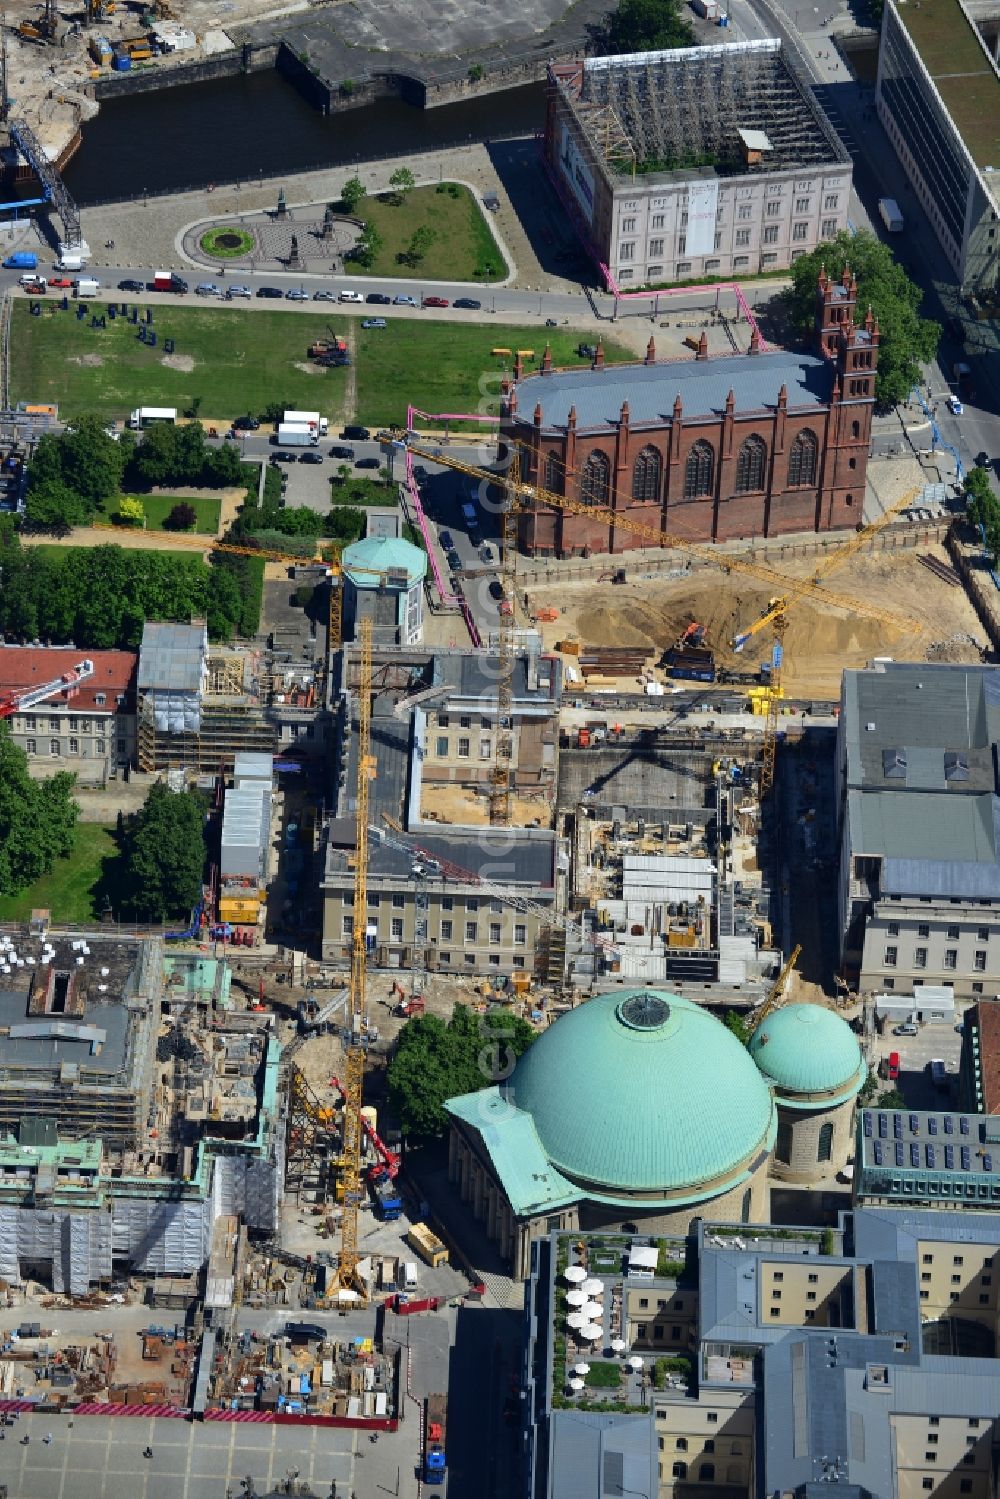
(89, 727)
(785, 1360)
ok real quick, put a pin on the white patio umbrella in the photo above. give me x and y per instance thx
(581, 1368)
(618, 1345)
(575, 1274)
(576, 1384)
(635, 1362)
(576, 1319)
(593, 1332)
(576, 1297)
(594, 1311)
(593, 1287)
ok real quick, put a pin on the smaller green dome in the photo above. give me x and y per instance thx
(807, 1049)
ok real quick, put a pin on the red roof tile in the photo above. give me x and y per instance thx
(29, 666)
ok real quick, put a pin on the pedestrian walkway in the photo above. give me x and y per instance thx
(158, 231)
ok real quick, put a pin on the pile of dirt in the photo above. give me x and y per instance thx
(929, 620)
(88, 361)
(182, 362)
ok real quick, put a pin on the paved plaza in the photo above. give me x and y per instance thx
(101, 1458)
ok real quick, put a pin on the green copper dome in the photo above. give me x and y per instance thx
(643, 1091)
(808, 1049)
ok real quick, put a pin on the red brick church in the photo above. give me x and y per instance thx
(708, 449)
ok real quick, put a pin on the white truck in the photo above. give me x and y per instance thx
(73, 259)
(891, 217)
(296, 435)
(86, 286)
(308, 419)
(152, 416)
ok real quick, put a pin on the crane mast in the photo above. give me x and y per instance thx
(500, 787)
(354, 1065)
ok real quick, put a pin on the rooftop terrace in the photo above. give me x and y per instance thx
(953, 53)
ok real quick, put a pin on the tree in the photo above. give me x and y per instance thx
(735, 1022)
(344, 472)
(75, 472)
(906, 340)
(164, 853)
(367, 249)
(402, 182)
(352, 194)
(420, 242)
(181, 518)
(344, 523)
(435, 1061)
(646, 26)
(131, 510)
(37, 819)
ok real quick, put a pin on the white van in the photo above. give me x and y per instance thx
(409, 1276)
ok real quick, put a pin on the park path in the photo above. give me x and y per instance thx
(97, 536)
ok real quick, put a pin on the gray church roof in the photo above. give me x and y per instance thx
(650, 389)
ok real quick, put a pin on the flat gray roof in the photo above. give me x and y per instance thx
(172, 657)
(651, 389)
(61, 1045)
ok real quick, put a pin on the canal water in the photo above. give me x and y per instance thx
(246, 127)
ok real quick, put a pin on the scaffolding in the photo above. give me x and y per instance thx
(660, 112)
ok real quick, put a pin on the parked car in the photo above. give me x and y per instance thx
(311, 456)
(892, 1067)
(270, 291)
(233, 292)
(404, 300)
(296, 294)
(906, 1029)
(435, 302)
(129, 284)
(487, 554)
(246, 424)
(283, 457)
(982, 459)
(469, 303)
(340, 451)
(356, 434)
(324, 296)
(368, 463)
(35, 288)
(374, 322)
(207, 289)
(955, 406)
(446, 539)
(454, 561)
(351, 296)
(378, 299)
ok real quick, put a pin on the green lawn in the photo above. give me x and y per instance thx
(463, 248)
(358, 491)
(242, 360)
(246, 358)
(449, 366)
(159, 506)
(69, 891)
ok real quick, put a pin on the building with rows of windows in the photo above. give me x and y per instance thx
(89, 727)
(694, 162)
(919, 883)
(939, 101)
(756, 444)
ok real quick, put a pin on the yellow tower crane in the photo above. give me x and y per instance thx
(518, 495)
(776, 616)
(354, 1065)
(776, 993)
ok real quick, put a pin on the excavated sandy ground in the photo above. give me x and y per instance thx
(934, 621)
(457, 804)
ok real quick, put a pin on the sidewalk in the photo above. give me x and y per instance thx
(152, 232)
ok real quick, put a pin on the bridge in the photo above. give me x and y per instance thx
(53, 187)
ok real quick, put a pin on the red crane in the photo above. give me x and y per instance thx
(27, 697)
(390, 1161)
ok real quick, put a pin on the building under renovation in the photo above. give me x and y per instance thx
(694, 162)
(126, 1133)
(77, 1027)
(199, 704)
